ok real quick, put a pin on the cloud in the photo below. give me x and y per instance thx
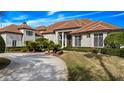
(49, 20)
(60, 17)
(51, 12)
(21, 17)
(120, 14)
(7, 22)
(37, 22)
(75, 16)
(110, 16)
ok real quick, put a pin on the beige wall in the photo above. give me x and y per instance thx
(9, 37)
(51, 36)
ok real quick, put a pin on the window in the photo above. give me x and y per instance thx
(78, 41)
(29, 33)
(98, 40)
(88, 35)
(13, 43)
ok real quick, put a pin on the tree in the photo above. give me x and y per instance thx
(2, 45)
(115, 40)
(50, 45)
(43, 42)
(31, 46)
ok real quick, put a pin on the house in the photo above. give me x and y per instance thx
(75, 33)
(79, 33)
(16, 35)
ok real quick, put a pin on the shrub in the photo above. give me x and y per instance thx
(95, 51)
(81, 49)
(110, 51)
(31, 45)
(114, 52)
(122, 52)
(2, 45)
(4, 62)
(56, 48)
(16, 49)
(114, 40)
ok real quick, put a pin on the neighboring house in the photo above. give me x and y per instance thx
(79, 33)
(16, 35)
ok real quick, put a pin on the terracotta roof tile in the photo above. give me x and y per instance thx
(15, 28)
(67, 24)
(96, 26)
(25, 26)
(41, 28)
(11, 28)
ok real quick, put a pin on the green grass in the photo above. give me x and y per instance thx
(4, 62)
(88, 66)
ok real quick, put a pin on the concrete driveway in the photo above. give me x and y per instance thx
(33, 67)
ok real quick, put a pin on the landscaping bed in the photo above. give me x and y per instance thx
(4, 62)
(90, 66)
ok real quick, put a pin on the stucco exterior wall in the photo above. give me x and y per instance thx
(27, 37)
(51, 36)
(89, 42)
(10, 37)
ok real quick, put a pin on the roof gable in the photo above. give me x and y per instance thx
(67, 24)
(11, 28)
(96, 26)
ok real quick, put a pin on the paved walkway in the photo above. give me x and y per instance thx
(33, 67)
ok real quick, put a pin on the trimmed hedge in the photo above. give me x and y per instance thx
(108, 51)
(113, 51)
(81, 49)
(2, 45)
(16, 49)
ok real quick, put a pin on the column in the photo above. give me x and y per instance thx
(73, 41)
(57, 37)
(62, 39)
(65, 40)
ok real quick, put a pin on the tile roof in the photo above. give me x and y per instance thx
(67, 25)
(11, 28)
(96, 26)
(41, 28)
(25, 26)
(15, 28)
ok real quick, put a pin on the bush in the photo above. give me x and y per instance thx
(95, 51)
(16, 49)
(122, 52)
(56, 48)
(114, 40)
(4, 62)
(114, 52)
(81, 49)
(2, 45)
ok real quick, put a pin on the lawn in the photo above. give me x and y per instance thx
(4, 62)
(88, 66)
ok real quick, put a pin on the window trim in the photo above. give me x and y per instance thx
(29, 33)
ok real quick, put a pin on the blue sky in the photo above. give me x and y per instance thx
(38, 18)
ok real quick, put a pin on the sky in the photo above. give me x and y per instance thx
(46, 18)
